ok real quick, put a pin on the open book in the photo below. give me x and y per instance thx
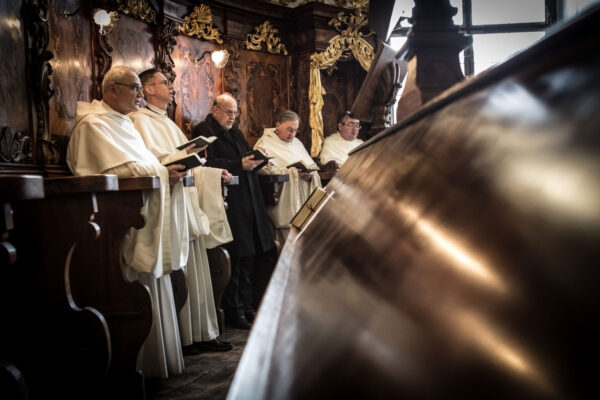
(200, 141)
(309, 207)
(302, 167)
(258, 155)
(190, 161)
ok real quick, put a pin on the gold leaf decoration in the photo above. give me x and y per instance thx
(265, 33)
(349, 42)
(199, 24)
(139, 9)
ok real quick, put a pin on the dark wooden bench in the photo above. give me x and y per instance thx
(79, 324)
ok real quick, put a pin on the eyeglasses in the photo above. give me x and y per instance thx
(353, 125)
(229, 112)
(133, 86)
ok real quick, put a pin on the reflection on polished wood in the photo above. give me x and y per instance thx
(458, 256)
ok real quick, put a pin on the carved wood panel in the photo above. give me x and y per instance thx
(264, 92)
(196, 83)
(341, 89)
(133, 44)
(72, 65)
(14, 111)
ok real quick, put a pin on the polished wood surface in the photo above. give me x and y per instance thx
(126, 305)
(457, 256)
(39, 286)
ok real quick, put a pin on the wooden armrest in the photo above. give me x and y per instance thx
(21, 187)
(80, 184)
(139, 183)
(188, 181)
(273, 178)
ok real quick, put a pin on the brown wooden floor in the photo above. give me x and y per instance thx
(206, 376)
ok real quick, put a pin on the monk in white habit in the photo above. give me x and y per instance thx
(281, 144)
(104, 141)
(337, 145)
(198, 325)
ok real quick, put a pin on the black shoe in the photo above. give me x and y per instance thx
(190, 350)
(213, 345)
(239, 322)
(250, 314)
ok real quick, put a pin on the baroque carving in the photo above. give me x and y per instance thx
(15, 146)
(166, 43)
(233, 83)
(139, 9)
(267, 34)
(348, 43)
(38, 38)
(386, 95)
(262, 95)
(103, 59)
(199, 24)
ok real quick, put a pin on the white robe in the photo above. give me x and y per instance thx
(197, 318)
(336, 148)
(295, 191)
(104, 141)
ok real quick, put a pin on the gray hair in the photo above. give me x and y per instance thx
(287, 115)
(224, 97)
(116, 74)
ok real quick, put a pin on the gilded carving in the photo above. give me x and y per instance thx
(348, 43)
(139, 9)
(199, 24)
(265, 33)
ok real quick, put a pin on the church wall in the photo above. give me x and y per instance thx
(57, 60)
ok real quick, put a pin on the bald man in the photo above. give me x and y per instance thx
(104, 141)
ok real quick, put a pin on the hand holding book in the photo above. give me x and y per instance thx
(200, 141)
(301, 166)
(189, 161)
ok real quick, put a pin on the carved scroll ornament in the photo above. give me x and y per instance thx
(348, 43)
(199, 24)
(266, 33)
(139, 9)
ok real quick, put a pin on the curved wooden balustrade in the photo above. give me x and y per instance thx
(458, 255)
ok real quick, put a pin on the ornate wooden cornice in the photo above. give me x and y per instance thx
(265, 33)
(139, 9)
(199, 24)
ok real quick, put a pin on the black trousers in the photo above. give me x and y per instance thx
(249, 279)
(238, 294)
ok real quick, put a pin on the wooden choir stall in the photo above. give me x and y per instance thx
(456, 253)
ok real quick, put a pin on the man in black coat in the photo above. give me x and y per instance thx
(246, 212)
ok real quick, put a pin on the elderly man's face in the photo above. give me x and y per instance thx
(161, 88)
(349, 129)
(225, 112)
(128, 93)
(287, 130)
